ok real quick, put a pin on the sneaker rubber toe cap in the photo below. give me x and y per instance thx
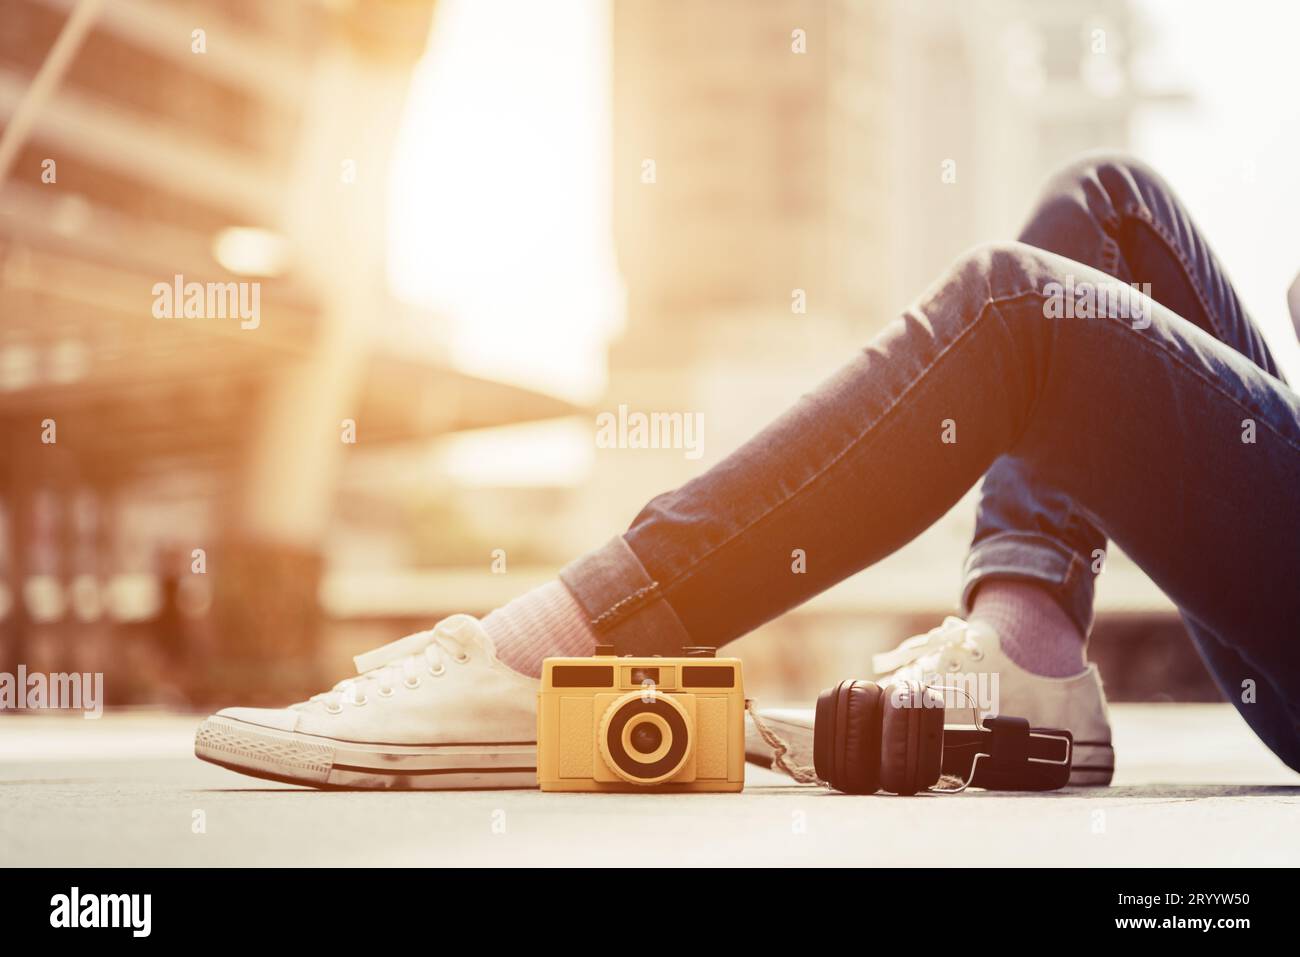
(279, 719)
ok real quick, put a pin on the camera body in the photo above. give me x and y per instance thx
(610, 723)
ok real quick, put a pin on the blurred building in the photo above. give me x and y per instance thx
(169, 479)
(749, 195)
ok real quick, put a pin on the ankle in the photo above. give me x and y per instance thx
(1032, 627)
(543, 623)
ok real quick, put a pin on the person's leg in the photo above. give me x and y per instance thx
(1182, 450)
(1117, 215)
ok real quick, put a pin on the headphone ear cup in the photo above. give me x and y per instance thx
(846, 737)
(911, 738)
(824, 735)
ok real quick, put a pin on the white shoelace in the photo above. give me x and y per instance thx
(925, 653)
(409, 669)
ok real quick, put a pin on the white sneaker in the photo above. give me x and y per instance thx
(974, 651)
(435, 711)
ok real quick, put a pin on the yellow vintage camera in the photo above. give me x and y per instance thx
(641, 724)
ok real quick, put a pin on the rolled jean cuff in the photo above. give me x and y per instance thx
(1064, 573)
(624, 605)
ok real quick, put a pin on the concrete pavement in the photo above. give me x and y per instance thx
(1193, 787)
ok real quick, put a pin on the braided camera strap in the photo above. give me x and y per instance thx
(801, 773)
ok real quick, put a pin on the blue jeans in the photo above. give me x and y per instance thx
(1160, 423)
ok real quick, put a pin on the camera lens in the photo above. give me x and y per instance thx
(645, 742)
(646, 737)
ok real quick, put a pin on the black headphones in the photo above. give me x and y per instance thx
(868, 738)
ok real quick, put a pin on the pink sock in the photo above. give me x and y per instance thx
(1036, 632)
(543, 623)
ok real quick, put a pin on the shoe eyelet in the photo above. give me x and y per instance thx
(412, 683)
(359, 702)
(462, 659)
(385, 692)
(977, 654)
(954, 665)
(439, 671)
(334, 708)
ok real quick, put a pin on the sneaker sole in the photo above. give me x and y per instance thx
(1092, 766)
(294, 758)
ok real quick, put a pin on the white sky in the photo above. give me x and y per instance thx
(500, 203)
(1233, 154)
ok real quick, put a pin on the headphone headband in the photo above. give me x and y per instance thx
(1006, 754)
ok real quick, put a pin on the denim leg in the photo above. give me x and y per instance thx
(1143, 425)
(1267, 701)
(1117, 215)
(626, 607)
